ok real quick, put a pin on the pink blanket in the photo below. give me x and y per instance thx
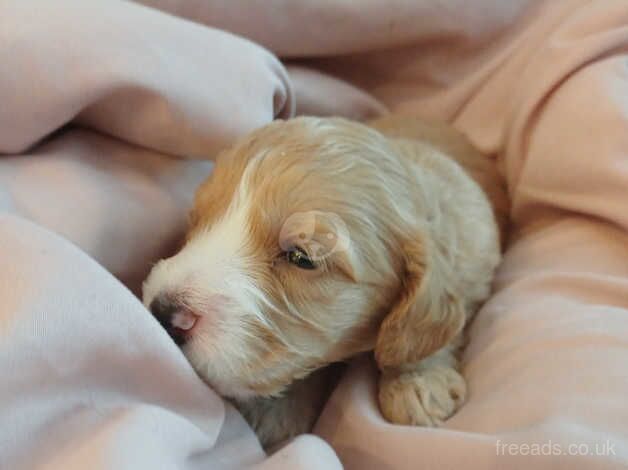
(90, 379)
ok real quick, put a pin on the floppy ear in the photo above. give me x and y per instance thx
(427, 315)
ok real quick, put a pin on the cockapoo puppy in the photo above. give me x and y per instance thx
(316, 239)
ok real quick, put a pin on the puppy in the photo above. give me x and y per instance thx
(316, 239)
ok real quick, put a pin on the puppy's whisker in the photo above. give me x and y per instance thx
(263, 301)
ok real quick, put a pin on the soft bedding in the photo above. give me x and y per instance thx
(110, 113)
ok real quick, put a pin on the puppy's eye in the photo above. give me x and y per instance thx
(299, 258)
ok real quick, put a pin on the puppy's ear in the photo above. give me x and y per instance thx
(427, 315)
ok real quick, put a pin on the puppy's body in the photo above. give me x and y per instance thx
(453, 145)
(421, 246)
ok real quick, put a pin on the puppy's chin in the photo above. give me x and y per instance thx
(220, 360)
(235, 389)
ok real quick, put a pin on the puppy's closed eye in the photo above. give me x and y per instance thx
(335, 264)
(317, 240)
(299, 257)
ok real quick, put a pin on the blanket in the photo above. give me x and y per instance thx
(110, 115)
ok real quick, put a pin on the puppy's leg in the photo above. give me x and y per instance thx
(294, 412)
(425, 393)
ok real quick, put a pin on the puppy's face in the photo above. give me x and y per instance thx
(293, 256)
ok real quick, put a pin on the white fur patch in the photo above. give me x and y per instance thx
(209, 263)
(211, 277)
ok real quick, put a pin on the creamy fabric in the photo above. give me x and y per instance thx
(89, 378)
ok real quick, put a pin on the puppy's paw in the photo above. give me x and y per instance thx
(421, 397)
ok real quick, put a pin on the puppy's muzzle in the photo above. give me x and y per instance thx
(175, 318)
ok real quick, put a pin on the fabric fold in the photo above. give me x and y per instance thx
(140, 75)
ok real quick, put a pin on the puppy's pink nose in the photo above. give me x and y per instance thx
(184, 320)
(175, 318)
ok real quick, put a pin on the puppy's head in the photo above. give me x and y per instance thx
(302, 241)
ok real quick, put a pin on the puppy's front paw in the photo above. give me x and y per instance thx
(422, 397)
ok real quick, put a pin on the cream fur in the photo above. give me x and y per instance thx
(406, 271)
